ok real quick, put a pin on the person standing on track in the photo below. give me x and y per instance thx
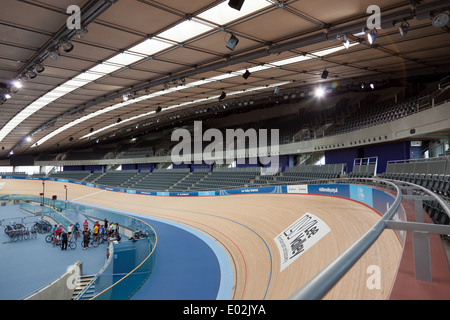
(85, 225)
(86, 237)
(69, 231)
(64, 238)
(96, 229)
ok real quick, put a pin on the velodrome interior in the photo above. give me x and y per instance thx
(89, 112)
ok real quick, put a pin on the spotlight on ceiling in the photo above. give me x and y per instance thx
(236, 4)
(372, 36)
(125, 96)
(440, 20)
(372, 86)
(246, 75)
(17, 84)
(320, 92)
(39, 68)
(344, 39)
(66, 45)
(81, 33)
(403, 29)
(119, 120)
(222, 96)
(31, 74)
(54, 54)
(232, 43)
(324, 74)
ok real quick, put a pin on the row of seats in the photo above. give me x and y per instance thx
(432, 174)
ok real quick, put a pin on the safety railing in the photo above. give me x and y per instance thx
(317, 287)
(121, 276)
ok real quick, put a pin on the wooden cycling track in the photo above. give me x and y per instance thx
(246, 225)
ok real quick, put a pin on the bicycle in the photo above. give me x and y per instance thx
(41, 226)
(70, 243)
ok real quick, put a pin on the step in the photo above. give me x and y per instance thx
(82, 283)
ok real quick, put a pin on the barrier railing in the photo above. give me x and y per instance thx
(321, 283)
(109, 283)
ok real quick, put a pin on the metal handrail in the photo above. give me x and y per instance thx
(321, 283)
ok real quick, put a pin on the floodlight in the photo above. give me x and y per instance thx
(39, 68)
(232, 43)
(54, 54)
(440, 20)
(17, 84)
(31, 74)
(66, 45)
(222, 96)
(320, 92)
(81, 33)
(236, 4)
(372, 36)
(403, 29)
(324, 74)
(246, 75)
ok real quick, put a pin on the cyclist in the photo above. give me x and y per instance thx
(85, 225)
(95, 232)
(54, 234)
(102, 232)
(77, 230)
(69, 231)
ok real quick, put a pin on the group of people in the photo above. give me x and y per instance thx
(109, 231)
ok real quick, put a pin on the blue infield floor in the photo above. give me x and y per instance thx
(189, 266)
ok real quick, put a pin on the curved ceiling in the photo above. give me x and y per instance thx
(142, 59)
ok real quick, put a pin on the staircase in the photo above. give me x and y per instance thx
(83, 282)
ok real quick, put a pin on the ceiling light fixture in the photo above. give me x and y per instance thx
(440, 20)
(54, 53)
(324, 74)
(246, 74)
(403, 29)
(31, 74)
(232, 43)
(236, 4)
(320, 92)
(346, 42)
(372, 36)
(222, 96)
(39, 68)
(66, 45)
(17, 84)
(81, 33)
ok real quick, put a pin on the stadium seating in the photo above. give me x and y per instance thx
(432, 174)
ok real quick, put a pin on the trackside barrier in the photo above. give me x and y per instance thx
(322, 282)
(393, 217)
(121, 277)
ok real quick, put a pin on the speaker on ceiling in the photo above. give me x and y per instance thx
(236, 4)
